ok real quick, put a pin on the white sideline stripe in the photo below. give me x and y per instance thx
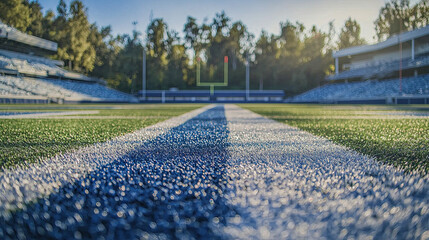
(43, 115)
(378, 116)
(22, 185)
(289, 184)
(105, 117)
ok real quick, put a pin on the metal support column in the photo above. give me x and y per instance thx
(144, 76)
(336, 66)
(247, 80)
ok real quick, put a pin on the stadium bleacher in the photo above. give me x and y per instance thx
(89, 90)
(66, 90)
(366, 73)
(380, 68)
(36, 66)
(5, 63)
(42, 77)
(411, 86)
(6, 89)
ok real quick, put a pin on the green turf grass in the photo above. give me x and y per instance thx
(366, 129)
(24, 141)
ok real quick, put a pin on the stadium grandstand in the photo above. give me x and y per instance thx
(27, 75)
(393, 71)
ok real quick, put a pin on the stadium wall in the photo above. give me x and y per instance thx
(10, 99)
(203, 96)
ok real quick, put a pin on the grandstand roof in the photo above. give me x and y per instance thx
(15, 35)
(394, 40)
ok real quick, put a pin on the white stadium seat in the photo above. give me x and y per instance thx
(411, 86)
(41, 82)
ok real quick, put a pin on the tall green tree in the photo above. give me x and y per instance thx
(15, 13)
(79, 48)
(107, 48)
(315, 59)
(398, 15)
(97, 38)
(197, 38)
(36, 17)
(295, 60)
(177, 74)
(127, 73)
(290, 38)
(157, 54)
(421, 13)
(218, 39)
(350, 35)
(266, 56)
(72, 32)
(193, 35)
(48, 29)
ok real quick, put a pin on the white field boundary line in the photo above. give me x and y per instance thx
(395, 113)
(23, 185)
(289, 184)
(352, 117)
(105, 117)
(46, 114)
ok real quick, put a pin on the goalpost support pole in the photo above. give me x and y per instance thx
(212, 84)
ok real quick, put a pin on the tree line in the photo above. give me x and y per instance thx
(295, 60)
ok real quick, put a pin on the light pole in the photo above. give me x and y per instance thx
(247, 78)
(400, 55)
(144, 76)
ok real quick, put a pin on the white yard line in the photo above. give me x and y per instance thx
(289, 184)
(22, 185)
(46, 114)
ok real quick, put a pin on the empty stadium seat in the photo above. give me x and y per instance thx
(380, 68)
(37, 66)
(64, 89)
(411, 86)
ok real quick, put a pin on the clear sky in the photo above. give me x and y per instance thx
(256, 14)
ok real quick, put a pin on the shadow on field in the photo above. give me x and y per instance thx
(170, 187)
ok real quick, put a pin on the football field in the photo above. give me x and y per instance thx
(31, 132)
(214, 171)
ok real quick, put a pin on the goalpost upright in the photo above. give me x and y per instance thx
(213, 84)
